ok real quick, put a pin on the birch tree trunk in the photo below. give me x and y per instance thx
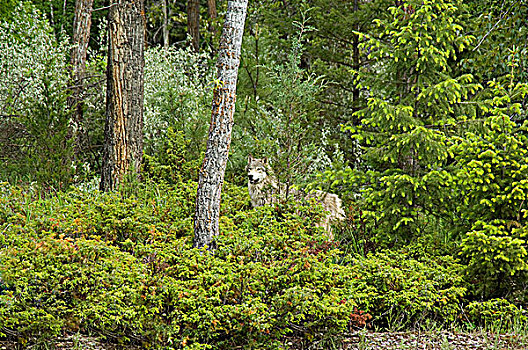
(213, 168)
(123, 145)
(82, 23)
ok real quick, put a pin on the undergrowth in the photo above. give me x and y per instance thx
(121, 266)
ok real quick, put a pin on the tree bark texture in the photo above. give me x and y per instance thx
(213, 168)
(193, 23)
(211, 6)
(123, 145)
(356, 58)
(82, 23)
(165, 28)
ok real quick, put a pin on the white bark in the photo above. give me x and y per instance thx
(213, 169)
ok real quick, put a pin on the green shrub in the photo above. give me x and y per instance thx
(171, 161)
(49, 157)
(403, 292)
(177, 95)
(492, 167)
(280, 119)
(138, 213)
(497, 313)
(414, 96)
(123, 267)
(268, 278)
(56, 283)
(33, 92)
(496, 258)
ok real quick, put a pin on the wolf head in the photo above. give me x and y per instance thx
(258, 169)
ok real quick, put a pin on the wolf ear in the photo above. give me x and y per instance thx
(250, 157)
(265, 160)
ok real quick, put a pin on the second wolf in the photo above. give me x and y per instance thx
(265, 189)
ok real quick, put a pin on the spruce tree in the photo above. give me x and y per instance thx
(413, 103)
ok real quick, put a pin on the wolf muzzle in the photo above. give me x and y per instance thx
(252, 179)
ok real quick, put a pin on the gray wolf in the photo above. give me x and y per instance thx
(265, 189)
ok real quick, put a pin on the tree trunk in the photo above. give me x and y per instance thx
(165, 24)
(193, 23)
(211, 6)
(356, 62)
(64, 4)
(81, 36)
(123, 145)
(213, 168)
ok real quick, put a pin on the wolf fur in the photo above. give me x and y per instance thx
(265, 189)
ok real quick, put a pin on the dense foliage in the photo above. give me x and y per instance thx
(414, 112)
(121, 264)
(412, 101)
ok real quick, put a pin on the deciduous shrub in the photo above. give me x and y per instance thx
(33, 93)
(177, 95)
(170, 162)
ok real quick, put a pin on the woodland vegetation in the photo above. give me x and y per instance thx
(415, 112)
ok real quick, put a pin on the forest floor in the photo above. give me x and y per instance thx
(439, 340)
(361, 340)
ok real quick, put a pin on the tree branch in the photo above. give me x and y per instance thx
(495, 26)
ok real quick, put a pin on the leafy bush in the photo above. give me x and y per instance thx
(49, 155)
(177, 95)
(171, 162)
(29, 49)
(33, 93)
(280, 118)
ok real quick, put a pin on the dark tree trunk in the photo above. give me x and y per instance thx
(355, 59)
(123, 145)
(224, 96)
(165, 28)
(82, 23)
(211, 6)
(193, 23)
